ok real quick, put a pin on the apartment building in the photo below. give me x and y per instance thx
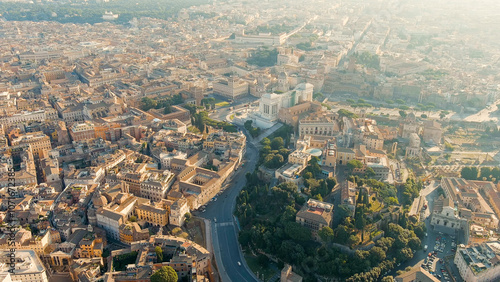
(184, 265)
(114, 214)
(86, 176)
(203, 184)
(90, 247)
(131, 182)
(132, 232)
(344, 155)
(373, 142)
(26, 116)
(153, 214)
(299, 157)
(156, 185)
(82, 131)
(229, 144)
(110, 221)
(479, 263)
(166, 158)
(39, 142)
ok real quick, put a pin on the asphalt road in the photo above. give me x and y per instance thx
(224, 227)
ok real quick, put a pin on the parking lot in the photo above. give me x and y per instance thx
(439, 258)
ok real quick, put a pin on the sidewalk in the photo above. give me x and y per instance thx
(268, 132)
(208, 243)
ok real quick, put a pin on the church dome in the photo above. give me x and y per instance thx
(99, 201)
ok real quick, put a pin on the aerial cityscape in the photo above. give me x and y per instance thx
(245, 140)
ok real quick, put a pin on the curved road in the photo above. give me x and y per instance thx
(224, 228)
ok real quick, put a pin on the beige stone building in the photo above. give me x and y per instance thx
(315, 215)
(39, 142)
(153, 214)
(318, 124)
(232, 88)
(287, 275)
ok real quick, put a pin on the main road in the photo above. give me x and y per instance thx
(228, 255)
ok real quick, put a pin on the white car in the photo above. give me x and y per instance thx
(239, 263)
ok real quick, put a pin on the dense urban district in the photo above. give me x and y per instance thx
(249, 140)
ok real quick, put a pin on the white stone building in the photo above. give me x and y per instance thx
(27, 266)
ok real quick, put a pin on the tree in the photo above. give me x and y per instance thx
(369, 172)
(159, 253)
(313, 165)
(318, 197)
(448, 146)
(164, 274)
(289, 214)
(343, 211)
(326, 234)
(263, 260)
(414, 243)
(377, 254)
(346, 113)
(133, 218)
(423, 116)
(352, 164)
(385, 243)
(266, 142)
(403, 114)
(391, 201)
(353, 240)
(318, 96)
(331, 182)
(147, 103)
(469, 173)
(297, 232)
(405, 254)
(248, 124)
(263, 57)
(187, 217)
(277, 143)
(388, 279)
(307, 175)
(312, 183)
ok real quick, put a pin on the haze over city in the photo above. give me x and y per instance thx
(243, 140)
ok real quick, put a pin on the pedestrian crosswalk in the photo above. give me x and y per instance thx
(221, 224)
